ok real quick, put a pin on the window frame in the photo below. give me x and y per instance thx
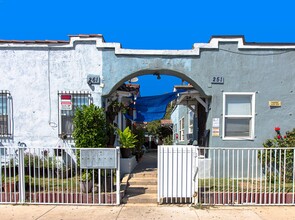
(72, 93)
(251, 117)
(8, 110)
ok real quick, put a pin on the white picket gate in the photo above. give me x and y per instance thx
(177, 173)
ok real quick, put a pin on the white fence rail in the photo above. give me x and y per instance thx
(176, 171)
(226, 176)
(246, 176)
(53, 176)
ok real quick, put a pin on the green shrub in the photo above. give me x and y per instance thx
(90, 127)
(168, 140)
(90, 131)
(278, 164)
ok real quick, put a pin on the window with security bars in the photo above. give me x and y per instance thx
(68, 103)
(5, 114)
(238, 116)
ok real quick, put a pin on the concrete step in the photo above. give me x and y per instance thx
(143, 198)
(145, 170)
(140, 189)
(144, 174)
(143, 181)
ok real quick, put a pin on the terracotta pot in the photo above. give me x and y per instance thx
(8, 187)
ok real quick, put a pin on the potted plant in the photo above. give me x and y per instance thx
(86, 184)
(127, 141)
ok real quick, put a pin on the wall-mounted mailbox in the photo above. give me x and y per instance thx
(101, 158)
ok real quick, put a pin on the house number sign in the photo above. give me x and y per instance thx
(93, 79)
(217, 80)
(98, 158)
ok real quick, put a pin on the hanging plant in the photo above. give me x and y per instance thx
(113, 109)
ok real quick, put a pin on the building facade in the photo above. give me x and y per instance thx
(242, 90)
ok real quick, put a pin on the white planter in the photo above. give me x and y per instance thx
(127, 165)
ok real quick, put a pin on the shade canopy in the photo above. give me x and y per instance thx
(151, 108)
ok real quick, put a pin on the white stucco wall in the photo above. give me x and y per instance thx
(34, 76)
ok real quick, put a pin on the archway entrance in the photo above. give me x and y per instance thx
(188, 111)
(183, 122)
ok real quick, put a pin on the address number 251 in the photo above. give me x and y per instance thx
(217, 80)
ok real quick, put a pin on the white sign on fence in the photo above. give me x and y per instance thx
(100, 158)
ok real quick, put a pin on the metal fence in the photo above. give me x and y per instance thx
(226, 176)
(55, 176)
(246, 176)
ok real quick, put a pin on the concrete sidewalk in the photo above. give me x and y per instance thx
(144, 212)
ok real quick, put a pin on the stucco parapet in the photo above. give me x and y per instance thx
(101, 44)
(14, 44)
(214, 44)
(195, 51)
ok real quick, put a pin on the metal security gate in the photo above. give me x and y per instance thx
(61, 175)
(246, 176)
(226, 176)
(177, 173)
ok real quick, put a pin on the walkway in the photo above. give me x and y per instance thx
(143, 182)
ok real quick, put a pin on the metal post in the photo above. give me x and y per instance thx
(21, 171)
(118, 176)
(196, 174)
(120, 115)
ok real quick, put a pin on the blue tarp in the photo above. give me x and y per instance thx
(151, 108)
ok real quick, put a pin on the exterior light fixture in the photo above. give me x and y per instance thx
(158, 75)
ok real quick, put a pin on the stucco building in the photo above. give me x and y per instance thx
(241, 90)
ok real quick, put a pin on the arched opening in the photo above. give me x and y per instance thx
(188, 112)
(160, 72)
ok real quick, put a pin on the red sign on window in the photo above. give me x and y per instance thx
(66, 102)
(65, 97)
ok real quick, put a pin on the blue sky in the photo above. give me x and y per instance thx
(152, 24)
